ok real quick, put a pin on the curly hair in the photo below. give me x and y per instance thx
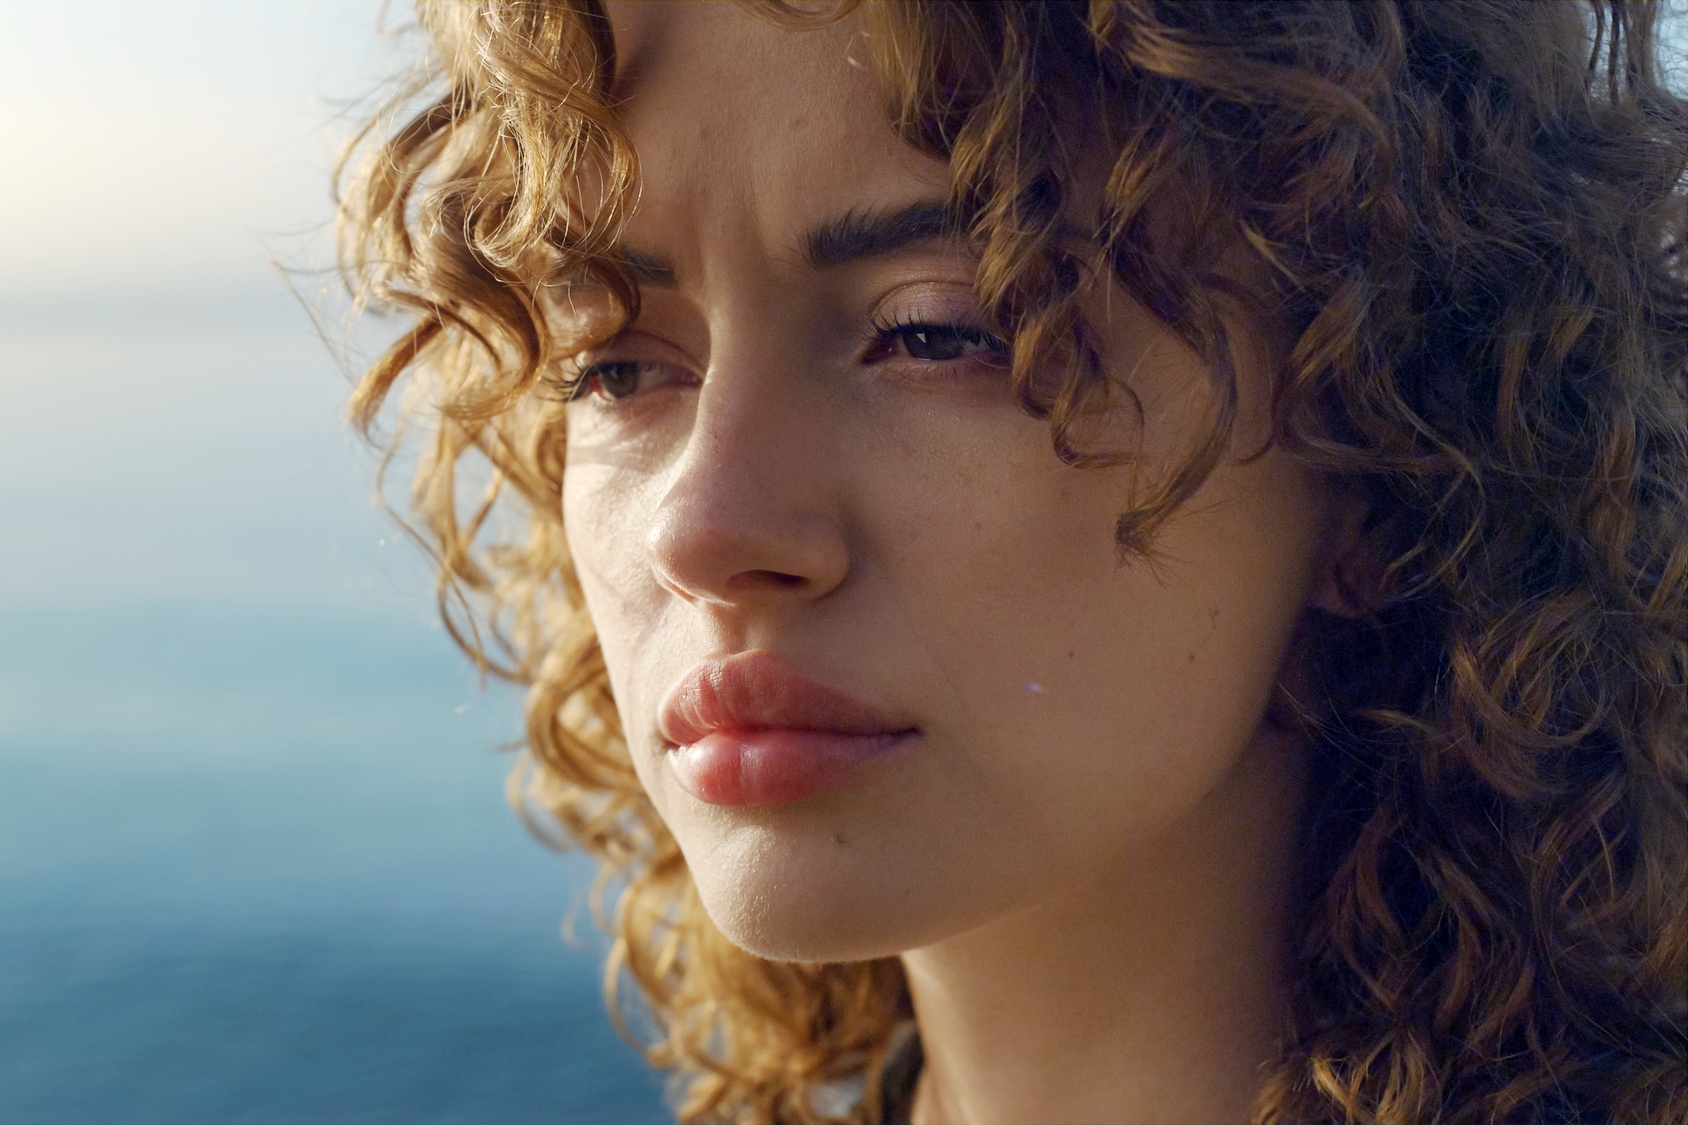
(1472, 214)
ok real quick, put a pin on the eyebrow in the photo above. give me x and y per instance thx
(648, 269)
(858, 234)
(836, 242)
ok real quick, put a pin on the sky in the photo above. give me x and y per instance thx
(159, 146)
(171, 424)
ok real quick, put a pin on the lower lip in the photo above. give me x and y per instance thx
(772, 767)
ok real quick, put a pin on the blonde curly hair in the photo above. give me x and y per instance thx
(1473, 214)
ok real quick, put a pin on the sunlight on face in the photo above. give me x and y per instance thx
(881, 666)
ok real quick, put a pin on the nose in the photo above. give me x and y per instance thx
(752, 520)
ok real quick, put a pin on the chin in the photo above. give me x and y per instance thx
(803, 896)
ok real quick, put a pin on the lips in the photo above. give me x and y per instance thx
(748, 729)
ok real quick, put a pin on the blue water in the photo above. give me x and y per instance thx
(256, 865)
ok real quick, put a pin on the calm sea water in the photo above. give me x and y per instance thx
(255, 865)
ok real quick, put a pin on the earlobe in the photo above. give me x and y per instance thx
(1350, 577)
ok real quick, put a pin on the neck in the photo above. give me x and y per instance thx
(1151, 994)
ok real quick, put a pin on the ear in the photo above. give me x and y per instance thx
(1348, 579)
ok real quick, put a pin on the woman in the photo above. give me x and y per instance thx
(1094, 562)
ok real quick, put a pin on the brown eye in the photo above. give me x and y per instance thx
(617, 380)
(939, 343)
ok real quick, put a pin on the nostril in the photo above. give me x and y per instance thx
(764, 579)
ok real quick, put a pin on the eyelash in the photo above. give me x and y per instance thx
(886, 334)
(579, 384)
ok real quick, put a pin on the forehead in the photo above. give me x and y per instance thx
(750, 131)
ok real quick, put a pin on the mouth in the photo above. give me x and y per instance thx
(749, 729)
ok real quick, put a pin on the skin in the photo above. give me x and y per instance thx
(1084, 861)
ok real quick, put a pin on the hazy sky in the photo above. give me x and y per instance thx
(155, 145)
(170, 425)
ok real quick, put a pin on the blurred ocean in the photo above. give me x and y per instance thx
(255, 860)
(255, 866)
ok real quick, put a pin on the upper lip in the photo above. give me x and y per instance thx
(758, 691)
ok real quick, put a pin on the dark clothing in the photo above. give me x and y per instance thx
(899, 1075)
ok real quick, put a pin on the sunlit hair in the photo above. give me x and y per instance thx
(1472, 219)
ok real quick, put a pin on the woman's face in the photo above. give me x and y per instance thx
(882, 668)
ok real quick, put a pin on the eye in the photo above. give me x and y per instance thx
(618, 379)
(936, 343)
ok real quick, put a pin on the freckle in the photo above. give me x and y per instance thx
(1191, 659)
(840, 839)
(1069, 654)
(978, 525)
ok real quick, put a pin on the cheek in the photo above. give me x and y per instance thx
(1095, 694)
(600, 522)
(613, 482)
(606, 513)
(605, 516)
